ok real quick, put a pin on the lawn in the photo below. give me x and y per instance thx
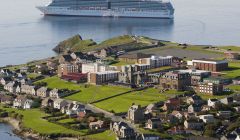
(159, 69)
(234, 70)
(232, 48)
(66, 120)
(32, 75)
(87, 94)
(33, 119)
(207, 96)
(121, 63)
(106, 135)
(143, 98)
(234, 87)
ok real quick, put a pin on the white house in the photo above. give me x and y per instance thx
(27, 104)
(59, 103)
(56, 93)
(212, 102)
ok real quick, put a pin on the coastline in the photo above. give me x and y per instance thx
(16, 129)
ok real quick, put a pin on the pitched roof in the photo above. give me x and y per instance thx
(67, 57)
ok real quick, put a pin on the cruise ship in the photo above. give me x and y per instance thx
(110, 8)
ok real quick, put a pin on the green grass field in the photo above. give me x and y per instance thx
(89, 94)
(234, 87)
(106, 135)
(32, 75)
(143, 98)
(159, 69)
(33, 119)
(121, 63)
(234, 70)
(206, 96)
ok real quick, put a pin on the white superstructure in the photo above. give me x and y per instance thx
(113, 8)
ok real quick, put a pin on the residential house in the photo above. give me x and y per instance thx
(150, 108)
(96, 125)
(80, 57)
(59, 103)
(5, 80)
(56, 93)
(52, 65)
(227, 100)
(195, 99)
(237, 132)
(208, 118)
(153, 123)
(213, 102)
(189, 115)
(64, 59)
(193, 124)
(22, 102)
(172, 104)
(67, 108)
(11, 86)
(177, 130)
(194, 108)
(236, 81)
(32, 90)
(39, 68)
(122, 130)
(237, 108)
(28, 104)
(206, 108)
(73, 109)
(18, 88)
(135, 113)
(6, 73)
(47, 102)
(43, 92)
(230, 136)
(177, 114)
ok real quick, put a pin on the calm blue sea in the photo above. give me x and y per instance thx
(6, 132)
(25, 34)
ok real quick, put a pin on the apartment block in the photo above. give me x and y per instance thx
(99, 78)
(157, 61)
(64, 69)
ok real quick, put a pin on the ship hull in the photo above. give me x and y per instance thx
(62, 11)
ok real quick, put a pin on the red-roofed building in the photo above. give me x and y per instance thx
(76, 77)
